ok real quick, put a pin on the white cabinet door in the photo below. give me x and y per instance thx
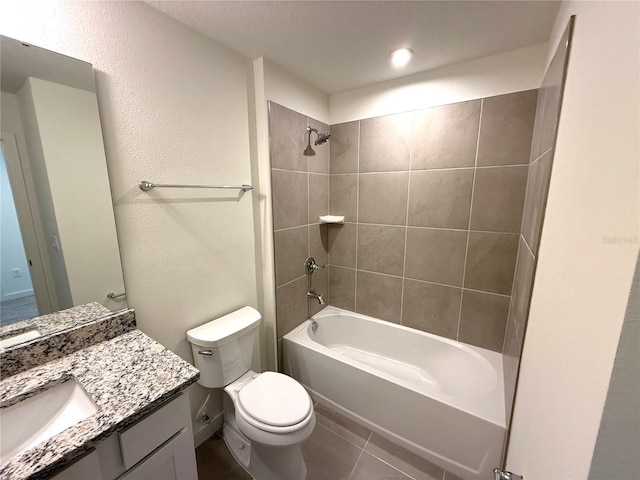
(173, 461)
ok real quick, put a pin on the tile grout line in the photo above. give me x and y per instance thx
(410, 226)
(421, 281)
(466, 250)
(542, 155)
(355, 465)
(333, 432)
(397, 469)
(527, 245)
(512, 300)
(406, 218)
(479, 167)
(308, 235)
(355, 280)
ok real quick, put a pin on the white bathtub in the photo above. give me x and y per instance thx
(441, 399)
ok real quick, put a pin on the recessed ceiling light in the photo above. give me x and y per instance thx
(400, 57)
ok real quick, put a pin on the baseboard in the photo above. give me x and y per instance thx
(16, 295)
(202, 431)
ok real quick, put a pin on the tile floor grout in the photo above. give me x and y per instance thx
(212, 465)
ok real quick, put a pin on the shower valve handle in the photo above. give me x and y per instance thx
(311, 266)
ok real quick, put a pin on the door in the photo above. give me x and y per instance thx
(23, 206)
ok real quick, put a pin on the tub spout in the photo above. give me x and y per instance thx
(317, 296)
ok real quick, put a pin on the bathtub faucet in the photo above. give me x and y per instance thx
(317, 296)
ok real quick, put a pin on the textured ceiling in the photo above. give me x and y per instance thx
(338, 46)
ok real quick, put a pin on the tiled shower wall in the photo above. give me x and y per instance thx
(541, 159)
(433, 204)
(300, 188)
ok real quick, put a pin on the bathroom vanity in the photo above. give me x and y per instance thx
(119, 403)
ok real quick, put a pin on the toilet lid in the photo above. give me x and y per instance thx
(275, 399)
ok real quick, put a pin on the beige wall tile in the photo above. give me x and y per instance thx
(446, 136)
(291, 250)
(506, 129)
(536, 199)
(498, 199)
(379, 296)
(491, 260)
(510, 363)
(483, 320)
(547, 114)
(287, 138)
(343, 196)
(342, 287)
(319, 243)
(435, 255)
(344, 147)
(385, 143)
(342, 245)
(431, 308)
(318, 196)
(522, 283)
(383, 198)
(381, 249)
(291, 305)
(440, 198)
(290, 199)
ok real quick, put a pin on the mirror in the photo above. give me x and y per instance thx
(59, 244)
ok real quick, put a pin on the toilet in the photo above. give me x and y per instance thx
(267, 415)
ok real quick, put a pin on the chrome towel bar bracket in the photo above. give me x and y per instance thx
(146, 186)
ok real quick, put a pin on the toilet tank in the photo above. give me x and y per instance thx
(223, 348)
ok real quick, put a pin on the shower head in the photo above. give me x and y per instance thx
(320, 139)
(309, 152)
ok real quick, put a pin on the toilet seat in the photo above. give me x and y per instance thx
(275, 403)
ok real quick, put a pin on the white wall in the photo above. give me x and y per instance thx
(508, 72)
(276, 84)
(57, 281)
(174, 109)
(12, 253)
(73, 155)
(588, 247)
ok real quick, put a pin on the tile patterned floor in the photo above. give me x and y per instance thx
(338, 449)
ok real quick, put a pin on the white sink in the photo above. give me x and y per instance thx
(38, 418)
(10, 341)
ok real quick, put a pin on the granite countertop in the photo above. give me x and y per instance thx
(57, 321)
(127, 377)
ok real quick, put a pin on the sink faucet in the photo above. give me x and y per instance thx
(317, 296)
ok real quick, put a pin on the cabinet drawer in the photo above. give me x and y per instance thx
(142, 438)
(87, 467)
